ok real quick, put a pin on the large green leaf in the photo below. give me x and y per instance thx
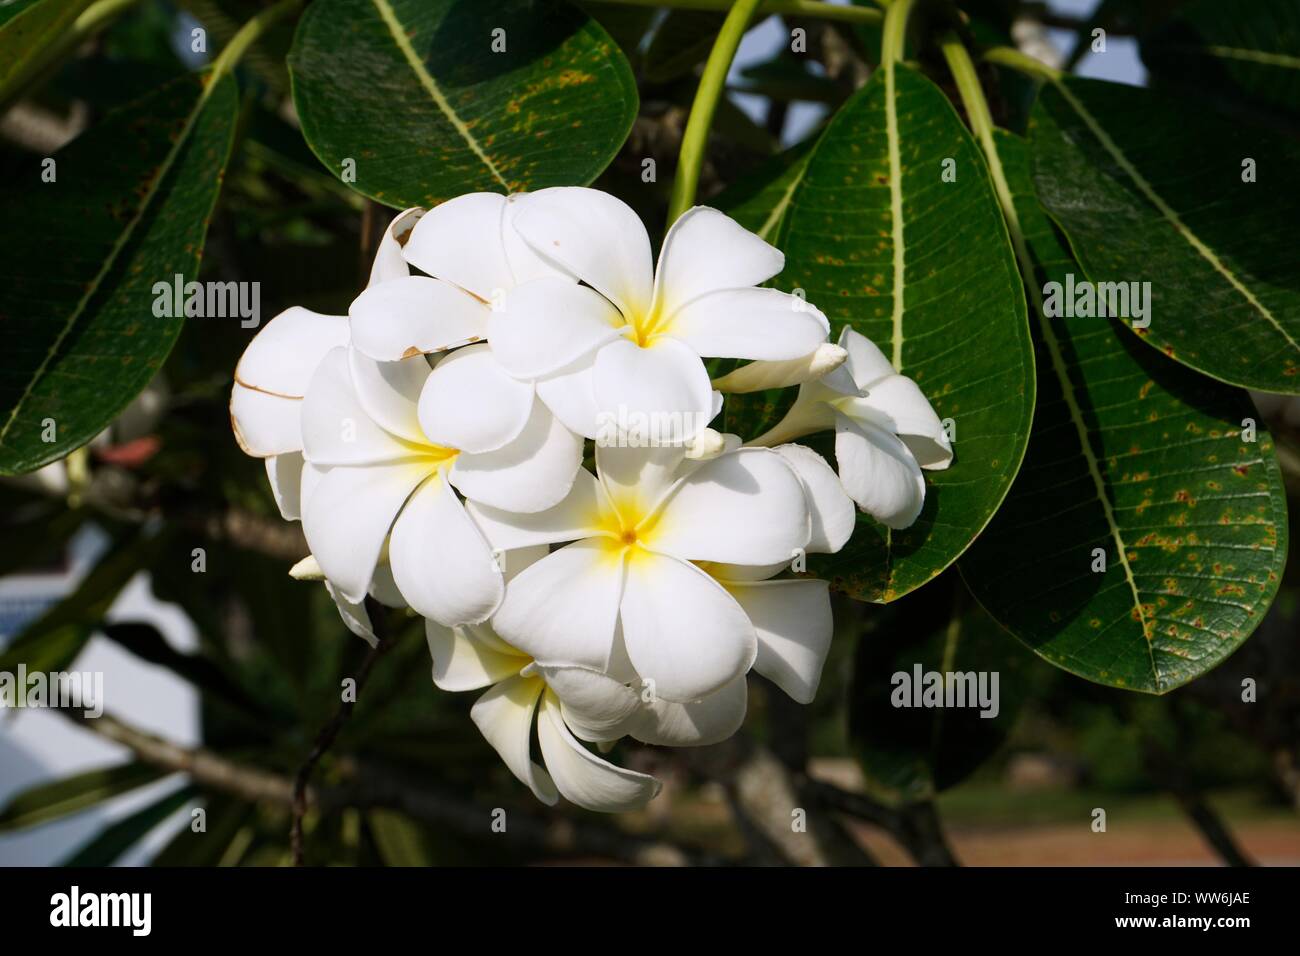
(1150, 189)
(412, 92)
(1143, 460)
(910, 753)
(1250, 49)
(105, 848)
(924, 269)
(50, 801)
(27, 28)
(129, 208)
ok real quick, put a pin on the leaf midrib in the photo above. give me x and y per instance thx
(896, 213)
(403, 43)
(92, 288)
(1167, 211)
(1001, 184)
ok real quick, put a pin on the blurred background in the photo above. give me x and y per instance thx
(225, 676)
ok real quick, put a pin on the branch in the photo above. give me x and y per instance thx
(916, 825)
(330, 732)
(1174, 779)
(377, 788)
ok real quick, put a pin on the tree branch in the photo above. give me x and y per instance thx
(376, 787)
(330, 732)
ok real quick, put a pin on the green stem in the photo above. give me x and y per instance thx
(248, 34)
(981, 121)
(1007, 56)
(95, 17)
(894, 38)
(696, 136)
(807, 8)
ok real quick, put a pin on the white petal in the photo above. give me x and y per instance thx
(793, 621)
(397, 319)
(900, 405)
(636, 479)
(384, 589)
(582, 777)
(757, 376)
(879, 472)
(389, 392)
(866, 363)
(462, 663)
(441, 562)
(683, 631)
(706, 250)
(570, 394)
(311, 478)
(470, 403)
(750, 324)
(346, 517)
(354, 614)
(460, 241)
(809, 414)
(660, 393)
(595, 705)
(285, 474)
(336, 429)
(547, 324)
(596, 237)
(748, 507)
(504, 715)
(525, 263)
(695, 724)
(264, 424)
(532, 473)
(830, 507)
(577, 516)
(389, 263)
(562, 609)
(283, 356)
(514, 562)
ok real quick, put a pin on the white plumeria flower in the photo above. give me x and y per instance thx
(630, 340)
(385, 444)
(624, 598)
(272, 375)
(885, 431)
(565, 704)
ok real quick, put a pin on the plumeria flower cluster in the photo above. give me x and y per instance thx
(509, 435)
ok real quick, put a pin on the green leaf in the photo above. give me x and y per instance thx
(230, 826)
(910, 753)
(27, 28)
(1249, 49)
(53, 640)
(129, 208)
(946, 303)
(50, 801)
(1150, 189)
(413, 93)
(105, 848)
(400, 842)
(143, 641)
(1138, 459)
